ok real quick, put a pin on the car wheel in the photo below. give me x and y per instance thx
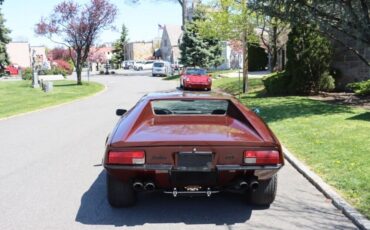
(141, 68)
(120, 194)
(265, 193)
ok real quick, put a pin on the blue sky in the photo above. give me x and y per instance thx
(141, 20)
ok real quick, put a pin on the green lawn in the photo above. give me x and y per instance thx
(333, 140)
(18, 96)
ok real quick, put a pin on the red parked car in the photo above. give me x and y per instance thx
(195, 78)
(183, 143)
(11, 70)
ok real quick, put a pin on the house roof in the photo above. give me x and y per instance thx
(174, 33)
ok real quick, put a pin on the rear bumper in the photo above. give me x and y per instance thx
(170, 167)
(198, 85)
(165, 175)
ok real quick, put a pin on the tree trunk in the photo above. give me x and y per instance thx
(245, 61)
(274, 48)
(78, 72)
(78, 66)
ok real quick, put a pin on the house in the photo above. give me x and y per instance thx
(19, 54)
(350, 67)
(100, 55)
(139, 50)
(171, 38)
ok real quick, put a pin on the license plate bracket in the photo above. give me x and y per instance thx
(194, 161)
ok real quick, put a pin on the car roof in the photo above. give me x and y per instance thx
(179, 94)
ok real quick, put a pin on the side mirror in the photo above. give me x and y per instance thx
(256, 110)
(120, 112)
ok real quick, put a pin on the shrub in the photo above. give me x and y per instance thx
(101, 72)
(27, 74)
(326, 82)
(309, 56)
(277, 84)
(360, 88)
(53, 71)
(112, 72)
(258, 59)
(64, 65)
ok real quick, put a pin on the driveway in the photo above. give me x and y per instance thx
(50, 177)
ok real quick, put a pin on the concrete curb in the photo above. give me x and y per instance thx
(357, 218)
(57, 105)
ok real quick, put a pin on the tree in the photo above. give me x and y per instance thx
(273, 31)
(197, 50)
(77, 26)
(59, 53)
(4, 39)
(230, 20)
(309, 55)
(339, 20)
(119, 47)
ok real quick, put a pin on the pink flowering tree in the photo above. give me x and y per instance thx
(77, 27)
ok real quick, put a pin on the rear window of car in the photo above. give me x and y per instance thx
(158, 64)
(196, 72)
(188, 107)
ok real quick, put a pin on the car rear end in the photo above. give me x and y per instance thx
(186, 152)
(159, 69)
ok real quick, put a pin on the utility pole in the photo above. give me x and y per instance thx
(184, 13)
(245, 45)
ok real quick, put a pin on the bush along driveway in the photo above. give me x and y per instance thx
(333, 140)
(19, 97)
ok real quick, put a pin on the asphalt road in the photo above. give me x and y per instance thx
(48, 179)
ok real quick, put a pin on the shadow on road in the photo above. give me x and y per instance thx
(160, 208)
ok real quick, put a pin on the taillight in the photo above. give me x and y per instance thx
(263, 157)
(126, 157)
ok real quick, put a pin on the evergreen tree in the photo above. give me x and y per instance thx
(4, 39)
(197, 50)
(309, 55)
(119, 47)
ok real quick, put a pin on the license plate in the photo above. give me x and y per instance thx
(198, 161)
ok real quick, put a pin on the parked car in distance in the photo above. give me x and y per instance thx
(195, 78)
(11, 70)
(176, 65)
(191, 143)
(161, 68)
(143, 65)
(129, 64)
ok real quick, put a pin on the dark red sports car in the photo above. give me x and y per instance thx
(195, 78)
(185, 143)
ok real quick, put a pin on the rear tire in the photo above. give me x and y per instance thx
(120, 194)
(266, 192)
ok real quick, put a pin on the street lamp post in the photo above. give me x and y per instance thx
(35, 80)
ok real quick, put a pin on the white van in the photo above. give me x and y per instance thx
(161, 68)
(143, 65)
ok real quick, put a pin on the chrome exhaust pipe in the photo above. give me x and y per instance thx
(138, 186)
(149, 186)
(243, 185)
(254, 185)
